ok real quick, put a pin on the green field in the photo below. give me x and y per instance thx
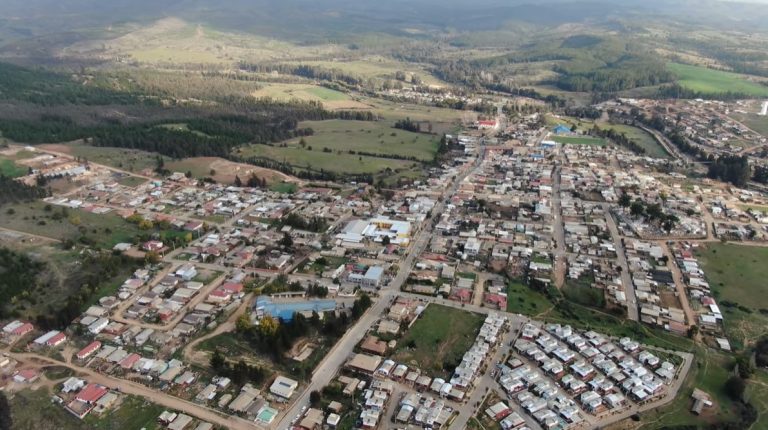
(641, 137)
(106, 230)
(737, 274)
(439, 338)
(10, 169)
(523, 300)
(573, 140)
(329, 147)
(708, 81)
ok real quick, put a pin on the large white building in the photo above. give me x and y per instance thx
(375, 229)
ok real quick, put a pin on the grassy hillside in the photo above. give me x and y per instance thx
(708, 81)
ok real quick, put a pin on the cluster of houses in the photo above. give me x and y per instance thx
(654, 285)
(710, 317)
(178, 421)
(558, 374)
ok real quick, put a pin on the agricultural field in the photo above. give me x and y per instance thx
(710, 81)
(573, 140)
(736, 274)
(439, 338)
(376, 67)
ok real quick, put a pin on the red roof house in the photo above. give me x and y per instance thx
(88, 350)
(56, 340)
(91, 393)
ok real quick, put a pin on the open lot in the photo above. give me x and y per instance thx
(737, 276)
(756, 122)
(34, 218)
(10, 169)
(127, 159)
(331, 99)
(439, 338)
(737, 273)
(711, 81)
(224, 171)
(522, 299)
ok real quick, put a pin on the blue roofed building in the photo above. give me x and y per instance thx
(561, 129)
(285, 311)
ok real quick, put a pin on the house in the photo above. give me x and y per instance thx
(186, 272)
(152, 246)
(365, 363)
(283, 387)
(374, 345)
(26, 376)
(91, 393)
(372, 277)
(72, 384)
(23, 329)
(312, 420)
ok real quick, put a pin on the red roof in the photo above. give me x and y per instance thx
(91, 393)
(129, 361)
(232, 287)
(220, 293)
(24, 329)
(90, 349)
(28, 374)
(61, 337)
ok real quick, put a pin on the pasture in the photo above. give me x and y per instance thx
(437, 341)
(710, 81)
(640, 137)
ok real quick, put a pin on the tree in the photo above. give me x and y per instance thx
(217, 360)
(268, 326)
(624, 200)
(385, 240)
(152, 257)
(637, 208)
(238, 181)
(315, 397)
(734, 388)
(243, 324)
(6, 420)
(286, 241)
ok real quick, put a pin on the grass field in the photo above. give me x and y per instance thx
(305, 92)
(133, 413)
(107, 230)
(523, 300)
(439, 338)
(375, 137)
(737, 274)
(710, 81)
(573, 140)
(10, 169)
(641, 137)
(333, 139)
(34, 410)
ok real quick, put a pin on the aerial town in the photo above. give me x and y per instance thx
(406, 311)
(362, 215)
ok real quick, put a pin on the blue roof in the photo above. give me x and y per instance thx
(374, 272)
(285, 311)
(561, 129)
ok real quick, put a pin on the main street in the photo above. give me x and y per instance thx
(621, 258)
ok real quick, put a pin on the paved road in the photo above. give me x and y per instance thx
(621, 258)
